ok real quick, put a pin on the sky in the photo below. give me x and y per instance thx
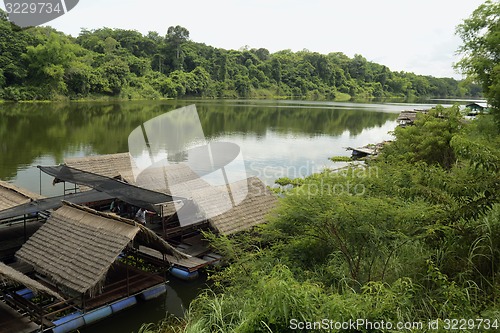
(405, 35)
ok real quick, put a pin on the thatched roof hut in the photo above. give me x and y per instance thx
(227, 208)
(254, 208)
(9, 275)
(11, 195)
(172, 179)
(408, 117)
(111, 165)
(477, 106)
(76, 247)
(181, 181)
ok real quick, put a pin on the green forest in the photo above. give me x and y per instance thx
(40, 63)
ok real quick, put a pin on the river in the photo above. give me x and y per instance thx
(277, 139)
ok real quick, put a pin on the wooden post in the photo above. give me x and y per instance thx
(128, 278)
(163, 223)
(25, 233)
(164, 268)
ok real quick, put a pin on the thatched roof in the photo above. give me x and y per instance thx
(363, 150)
(9, 275)
(180, 180)
(111, 165)
(408, 115)
(172, 179)
(228, 208)
(76, 248)
(77, 245)
(477, 105)
(258, 202)
(11, 195)
(146, 236)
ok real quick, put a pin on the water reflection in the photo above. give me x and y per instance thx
(175, 301)
(294, 131)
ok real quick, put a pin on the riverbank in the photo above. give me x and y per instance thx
(341, 97)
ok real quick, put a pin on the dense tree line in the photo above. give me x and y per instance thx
(41, 63)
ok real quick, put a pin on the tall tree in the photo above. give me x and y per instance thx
(176, 36)
(480, 34)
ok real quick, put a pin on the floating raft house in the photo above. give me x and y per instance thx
(11, 196)
(407, 118)
(15, 230)
(98, 180)
(78, 250)
(256, 203)
(367, 151)
(362, 152)
(81, 256)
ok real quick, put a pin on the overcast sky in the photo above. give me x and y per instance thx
(409, 35)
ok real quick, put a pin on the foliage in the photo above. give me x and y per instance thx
(170, 324)
(480, 34)
(126, 64)
(406, 237)
(138, 263)
(340, 159)
(429, 140)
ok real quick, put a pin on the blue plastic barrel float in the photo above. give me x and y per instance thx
(25, 293)
(153, 292)
(123, 304)
(69, 323)
(184, 274)
(98, 314)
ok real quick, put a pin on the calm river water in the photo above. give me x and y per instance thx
(277, 139)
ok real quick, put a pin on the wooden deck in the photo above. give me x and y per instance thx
(362, 151)
(173, 231)
(194, 246)
(191, 264)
